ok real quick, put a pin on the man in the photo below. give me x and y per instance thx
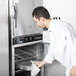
(63, 41)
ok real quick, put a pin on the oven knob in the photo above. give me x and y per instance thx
(30, 38)
(14, 41)
(26, 39)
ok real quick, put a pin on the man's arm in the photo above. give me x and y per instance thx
(73, 71)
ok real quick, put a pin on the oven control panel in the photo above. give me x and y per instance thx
(27, 38)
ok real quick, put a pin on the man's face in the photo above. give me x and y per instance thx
(40, 22)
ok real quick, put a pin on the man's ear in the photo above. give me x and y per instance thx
(42, 19)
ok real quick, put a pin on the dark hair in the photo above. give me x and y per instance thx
(41, 12)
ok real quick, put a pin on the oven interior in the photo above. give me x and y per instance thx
(23, 57)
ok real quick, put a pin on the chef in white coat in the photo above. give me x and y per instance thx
(62, 40)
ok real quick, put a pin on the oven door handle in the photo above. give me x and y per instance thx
(15, 15)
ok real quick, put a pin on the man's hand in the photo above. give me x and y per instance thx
(73, 71)
(39, 64)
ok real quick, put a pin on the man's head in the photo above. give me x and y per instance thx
(41, 16)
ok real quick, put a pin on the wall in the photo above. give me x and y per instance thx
(66, 9)
(4, 48)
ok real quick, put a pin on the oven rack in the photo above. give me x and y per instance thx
(23, 55)
(29, 50)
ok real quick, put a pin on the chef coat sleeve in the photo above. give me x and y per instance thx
(50, 55)
(71, 48)
(57, 46)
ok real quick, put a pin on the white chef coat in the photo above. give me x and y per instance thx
(62, 44)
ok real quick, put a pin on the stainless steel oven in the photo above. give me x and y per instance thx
(23, 57)
(20, 38)
(26, 49)
(26, 38)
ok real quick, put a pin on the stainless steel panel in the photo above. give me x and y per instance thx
(4, 58)
(55, 69)
(30, 43)
(24, 23)
(38, 3)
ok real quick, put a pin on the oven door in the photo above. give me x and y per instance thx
(23, 21)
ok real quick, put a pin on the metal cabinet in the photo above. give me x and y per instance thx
(23, 21)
